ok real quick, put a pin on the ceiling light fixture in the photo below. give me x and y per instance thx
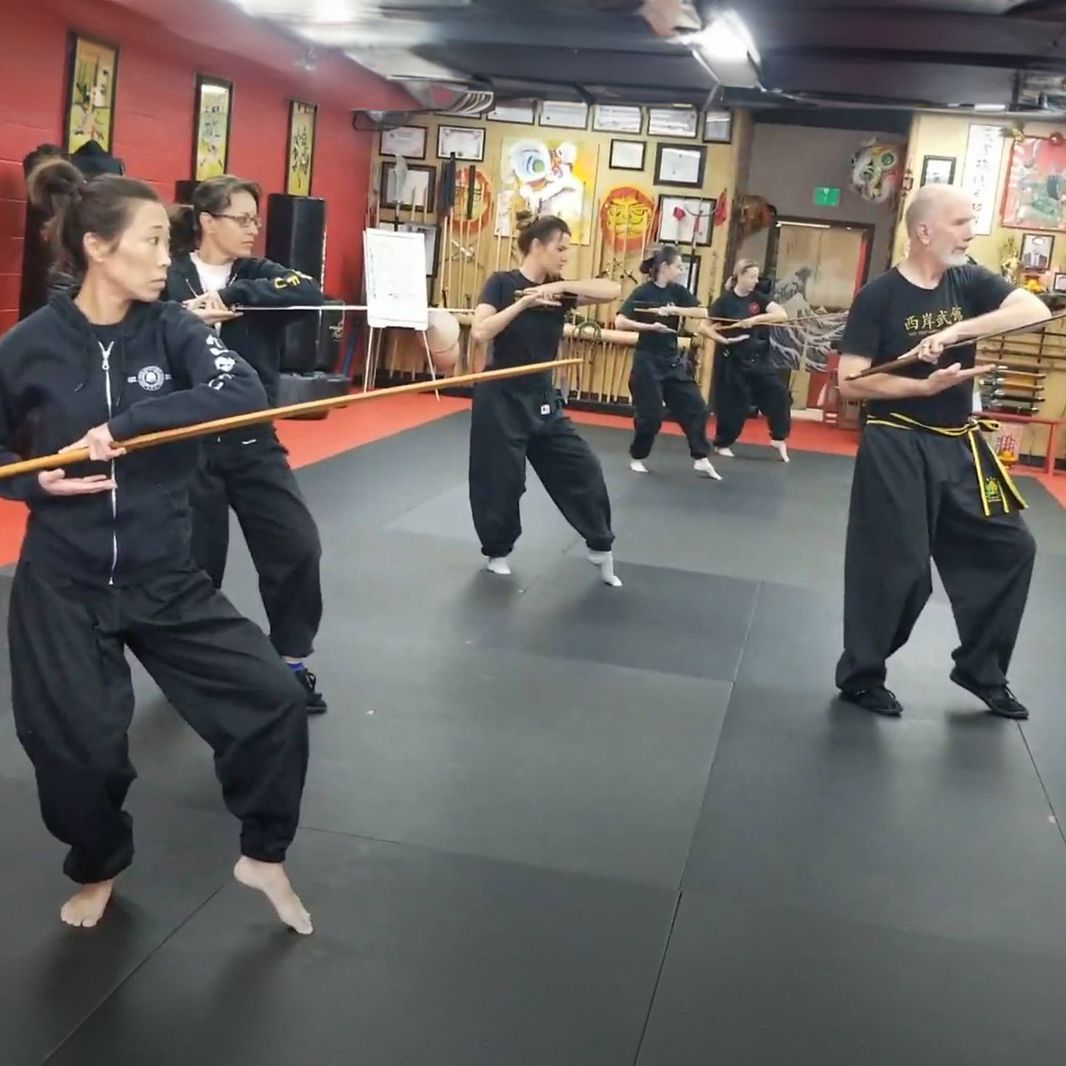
(331, 11)
(725, 47)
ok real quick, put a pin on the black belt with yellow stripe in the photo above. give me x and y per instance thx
(995, 486)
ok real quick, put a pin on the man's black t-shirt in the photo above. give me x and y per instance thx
(533, 337)
(662, 346)
(753, 353)
(890, 316)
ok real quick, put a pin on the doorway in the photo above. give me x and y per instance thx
(814, 268)
(818, 265)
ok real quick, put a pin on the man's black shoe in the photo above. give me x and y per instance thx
(316, 704)
(998, 698)
(876, 699)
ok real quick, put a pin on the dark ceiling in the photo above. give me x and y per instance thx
(884, 56)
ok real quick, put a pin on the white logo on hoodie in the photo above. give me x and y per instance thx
(151, 378)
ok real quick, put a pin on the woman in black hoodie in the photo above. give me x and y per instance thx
(106, 562)
(214, 271)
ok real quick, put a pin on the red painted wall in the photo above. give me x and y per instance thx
(154, 115)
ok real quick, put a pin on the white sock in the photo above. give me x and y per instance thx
(637, 466)
(782, 449)
(605, 561)
(703, 466)
(726, 452)
(498, 566)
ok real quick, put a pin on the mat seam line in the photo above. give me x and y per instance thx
(1043, 787)
(688, 856)
(658, 979)
(166, 940)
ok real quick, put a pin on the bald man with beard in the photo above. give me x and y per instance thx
(926, 484)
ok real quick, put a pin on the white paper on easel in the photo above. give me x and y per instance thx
(396, 279)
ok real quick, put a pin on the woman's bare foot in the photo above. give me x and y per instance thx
(86, 907)
(270, 879)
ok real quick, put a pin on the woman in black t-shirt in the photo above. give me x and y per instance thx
(747, 375)
(521, 315)
(660, 373)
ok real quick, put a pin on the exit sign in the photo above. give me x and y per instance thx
(825, 196)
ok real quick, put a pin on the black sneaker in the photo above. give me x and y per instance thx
(997, 698)
(876, 699)
(315, 702)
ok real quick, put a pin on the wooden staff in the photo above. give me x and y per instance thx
(471, 183)
(445, 239)
(464, 228)
(241, 309)
(598, 372)
(252, 418)
(911, 357)
(597, 240)
(625, 355)
(461, 249)
(619, 238)
(498, 193)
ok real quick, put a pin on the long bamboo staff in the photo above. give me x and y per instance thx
(595, 251)
(601, 310)
(239, 309)
(911, 357)
(460, 248)
(252, 418)
(601, 357)
(468, 216)
(619, 239)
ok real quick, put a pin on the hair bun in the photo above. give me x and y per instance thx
(524, 219)
(52, 182)
(655, 255)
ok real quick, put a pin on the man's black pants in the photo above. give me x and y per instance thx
(915, 497)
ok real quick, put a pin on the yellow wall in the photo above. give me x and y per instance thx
(588, 261)
(945, 135)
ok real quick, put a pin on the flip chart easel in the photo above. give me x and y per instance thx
(395, 268)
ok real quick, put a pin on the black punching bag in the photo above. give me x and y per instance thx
(296, 237)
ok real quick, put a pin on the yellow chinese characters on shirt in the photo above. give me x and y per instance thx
(932, 321)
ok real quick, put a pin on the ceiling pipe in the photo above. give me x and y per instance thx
(816, 100)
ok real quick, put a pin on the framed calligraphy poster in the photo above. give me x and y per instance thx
(214, 100)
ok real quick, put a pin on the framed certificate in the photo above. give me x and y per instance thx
(672, 122)
(464, 142)
(938, 169)
(627, 155)
(563, 114)
(612, 118)
(718, 127)
(520, 114)
(408, 141)
(680, 164)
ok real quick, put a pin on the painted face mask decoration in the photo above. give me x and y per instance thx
(876, 170)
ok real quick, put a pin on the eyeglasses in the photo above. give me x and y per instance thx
(244, 221)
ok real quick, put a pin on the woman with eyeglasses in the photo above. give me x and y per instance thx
(213, 272)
